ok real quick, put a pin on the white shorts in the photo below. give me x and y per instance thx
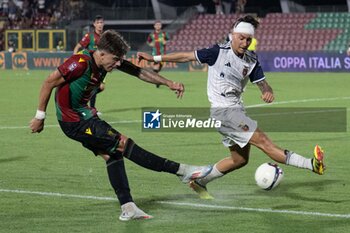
(236, 126)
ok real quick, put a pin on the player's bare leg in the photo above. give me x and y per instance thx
(263, 142)
(239, 158)
(157, 67)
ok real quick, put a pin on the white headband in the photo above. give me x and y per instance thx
(245, 28)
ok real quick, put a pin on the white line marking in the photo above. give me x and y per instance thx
(54, 126)
(217, 207)
(57, 194)
(256, 209)
(299, 101)
(249, 106)
(296, 112)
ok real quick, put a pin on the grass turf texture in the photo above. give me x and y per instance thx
(49, 162)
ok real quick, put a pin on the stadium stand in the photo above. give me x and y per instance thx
(277, 32)
(300, 32)
(202, 31)
(336, 24)
(41, 14)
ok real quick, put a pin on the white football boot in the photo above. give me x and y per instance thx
(130, 212)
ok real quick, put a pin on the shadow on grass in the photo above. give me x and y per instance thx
(13, 159)
(290, 191)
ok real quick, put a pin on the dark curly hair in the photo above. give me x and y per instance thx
(112, 42)
(247, 19)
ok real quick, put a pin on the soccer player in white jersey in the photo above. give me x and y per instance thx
(231, 66)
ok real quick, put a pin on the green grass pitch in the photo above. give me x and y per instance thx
(49, 183)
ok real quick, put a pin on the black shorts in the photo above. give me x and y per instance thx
(94, 133)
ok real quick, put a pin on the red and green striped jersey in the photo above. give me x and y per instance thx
(90, 40)
(159, 42)
(83, 79)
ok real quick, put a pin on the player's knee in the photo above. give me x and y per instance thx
(102, 87)
(122, 142)
(263, 142)
(105, 157)
(113, 158)
(240, 162)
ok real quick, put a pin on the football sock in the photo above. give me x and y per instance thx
(214, 174)
(296, 160)
(149, 160)
(119, 180)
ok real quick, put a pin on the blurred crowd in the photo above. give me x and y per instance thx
(223, 7)
(36, 14)
(56, 14)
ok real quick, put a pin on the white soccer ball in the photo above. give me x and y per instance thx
(268, 176)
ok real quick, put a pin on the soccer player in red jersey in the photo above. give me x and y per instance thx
(75, 81)
(157, 40)
(90, 41)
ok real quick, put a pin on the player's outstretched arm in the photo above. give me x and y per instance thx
(151, 77)
(77, 48)
(171, 57)
(53, 80)
(266, 91)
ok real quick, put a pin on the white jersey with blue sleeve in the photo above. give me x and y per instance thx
(228, 74)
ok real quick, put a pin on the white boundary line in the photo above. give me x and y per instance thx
(299, 101)
(184, 203)
(217, 207)
(57, 194)
(250, 106)
(53, 126)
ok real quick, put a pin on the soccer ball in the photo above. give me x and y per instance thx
(268, 176)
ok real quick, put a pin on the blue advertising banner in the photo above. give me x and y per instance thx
(270, 61)
(304, 62)
(51, 60)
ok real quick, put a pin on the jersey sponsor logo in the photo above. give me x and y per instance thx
(72, 66)
(151, 120)
(244, 127)
(228, 64)
(88, 131)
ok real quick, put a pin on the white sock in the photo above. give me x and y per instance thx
(296, 160)
(181, 170)
(214, 174)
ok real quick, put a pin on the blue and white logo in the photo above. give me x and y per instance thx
(151, 120)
